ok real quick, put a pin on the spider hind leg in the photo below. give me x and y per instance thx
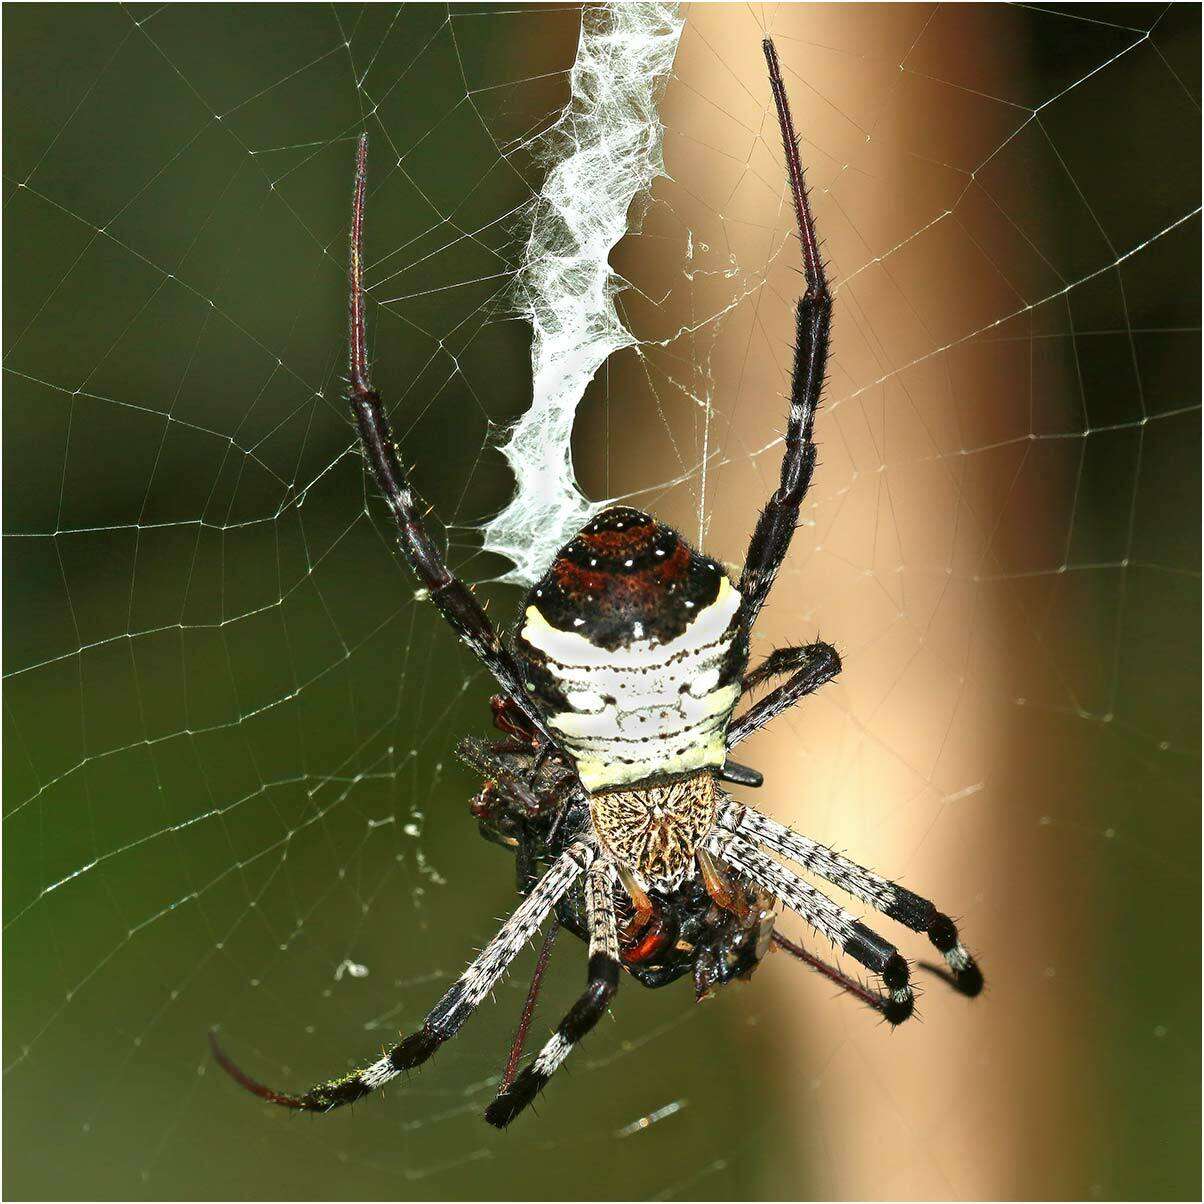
(448, 1016)
(825, 916)
(963, 973)
(893, 901)
(601, 985)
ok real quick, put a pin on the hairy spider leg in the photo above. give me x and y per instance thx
(524, 1024)
(447, 1017)
(601, 984)
(894, 901)
(771, 537)
(453, 598)
(887, 1008)
(810, 666)
(829, 919)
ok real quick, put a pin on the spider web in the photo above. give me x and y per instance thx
(231, 798)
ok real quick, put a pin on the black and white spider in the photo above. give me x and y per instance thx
(618, 691)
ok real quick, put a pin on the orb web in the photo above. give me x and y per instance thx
(232, 798)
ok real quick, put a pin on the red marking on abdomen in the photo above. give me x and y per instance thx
(618, 582)
(628, 540)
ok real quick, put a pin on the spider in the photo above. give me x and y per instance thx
(618, 691)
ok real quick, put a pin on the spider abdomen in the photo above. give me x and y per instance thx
(631, 648)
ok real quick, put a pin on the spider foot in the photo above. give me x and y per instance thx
(411, 1053)
(963, 973)
(318, 1100)
(515, 1099)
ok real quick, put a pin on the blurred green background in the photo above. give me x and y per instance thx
(228, 722)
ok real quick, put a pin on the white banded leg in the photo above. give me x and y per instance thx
(449, 1014)
(894, 901)
(601, 985)
(829, 919)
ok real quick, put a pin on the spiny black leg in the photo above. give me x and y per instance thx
(828, 918)
(890, 899)
(810, 667)
(601, 985)
(447, 1017)
(454, 599)
(775, 528)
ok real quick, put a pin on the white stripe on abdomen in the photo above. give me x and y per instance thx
(646, 710)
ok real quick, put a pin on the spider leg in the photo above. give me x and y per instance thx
(894, 901)
(829, 919)
(447, 1016)
(810, 666)
(524, 1024)
(891, 1011)
(602, 983)
(775, 528)
(453, 598)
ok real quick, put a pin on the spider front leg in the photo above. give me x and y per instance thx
(775, 528)
(810, 667)
(454, 600)
(601, 985)
(447, 1017)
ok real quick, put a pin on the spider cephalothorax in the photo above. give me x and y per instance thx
(654, 831)
(619, 689)
(685, 931)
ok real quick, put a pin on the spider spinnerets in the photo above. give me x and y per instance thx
(618, 691)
